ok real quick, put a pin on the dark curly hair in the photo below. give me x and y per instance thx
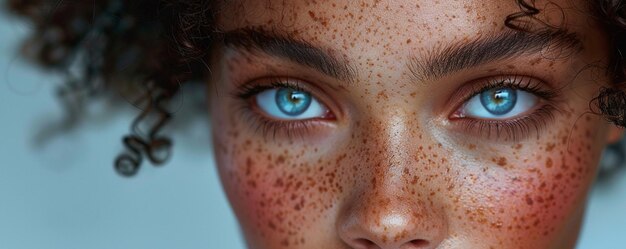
(156, 46)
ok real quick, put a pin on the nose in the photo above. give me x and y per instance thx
(387, 210)
(391, 222)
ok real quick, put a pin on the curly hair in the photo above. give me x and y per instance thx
(159, 45)
(153, 46)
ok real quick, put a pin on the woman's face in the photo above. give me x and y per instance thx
(407, 124)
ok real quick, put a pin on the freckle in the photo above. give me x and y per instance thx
(539, 199)
(249, 165)
(549, 163)
(529, 200)
(271, 225)
(279, 182)
(500, 161)
(472, 146)
(280, 159)
(252, 183)
(542, 186)
(414, 181)
(535, 61)
(382, 94)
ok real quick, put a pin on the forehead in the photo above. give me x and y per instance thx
(391, 17)
(354, 18)
(363, 10)
(380, 28)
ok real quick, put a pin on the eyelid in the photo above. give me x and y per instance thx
(512, 129)
(270, 128)
(518, 82)
(525, 103)
(253, 87)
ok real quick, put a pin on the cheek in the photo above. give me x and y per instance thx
(536, 195)
(281, 194)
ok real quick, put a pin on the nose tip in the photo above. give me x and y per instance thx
(390, 231)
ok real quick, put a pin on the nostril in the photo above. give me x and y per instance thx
(416, 244)
(368, 244)
(419, 242)
(365, 244)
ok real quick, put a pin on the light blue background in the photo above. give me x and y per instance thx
(64, 194)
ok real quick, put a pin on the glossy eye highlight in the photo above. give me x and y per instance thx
(499, 103)
(289, 104)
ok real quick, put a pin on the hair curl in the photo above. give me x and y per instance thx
(159, 45)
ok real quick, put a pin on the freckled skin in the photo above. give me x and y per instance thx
(391, 170)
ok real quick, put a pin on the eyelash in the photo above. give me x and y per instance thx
(513, 129)
(517, 82)
(517, 128)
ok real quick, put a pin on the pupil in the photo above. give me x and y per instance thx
(499, 101)
(500, 96)
(292, 102)
(296, 97)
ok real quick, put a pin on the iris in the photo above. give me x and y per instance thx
(499, 101)
(292, 102)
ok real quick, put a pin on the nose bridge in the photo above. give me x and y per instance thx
(386, 210)
(389, 151)
(392, 135)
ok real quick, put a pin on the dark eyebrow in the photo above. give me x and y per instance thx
(550, 43)
(287, 47)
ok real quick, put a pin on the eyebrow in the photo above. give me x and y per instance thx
(558, 43)
(551, 43)
(290, 48)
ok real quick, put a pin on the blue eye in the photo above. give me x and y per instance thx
(292, 102)
(289, 104)
(499, 103)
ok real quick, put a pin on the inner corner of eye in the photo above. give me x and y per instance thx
(458, 114)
